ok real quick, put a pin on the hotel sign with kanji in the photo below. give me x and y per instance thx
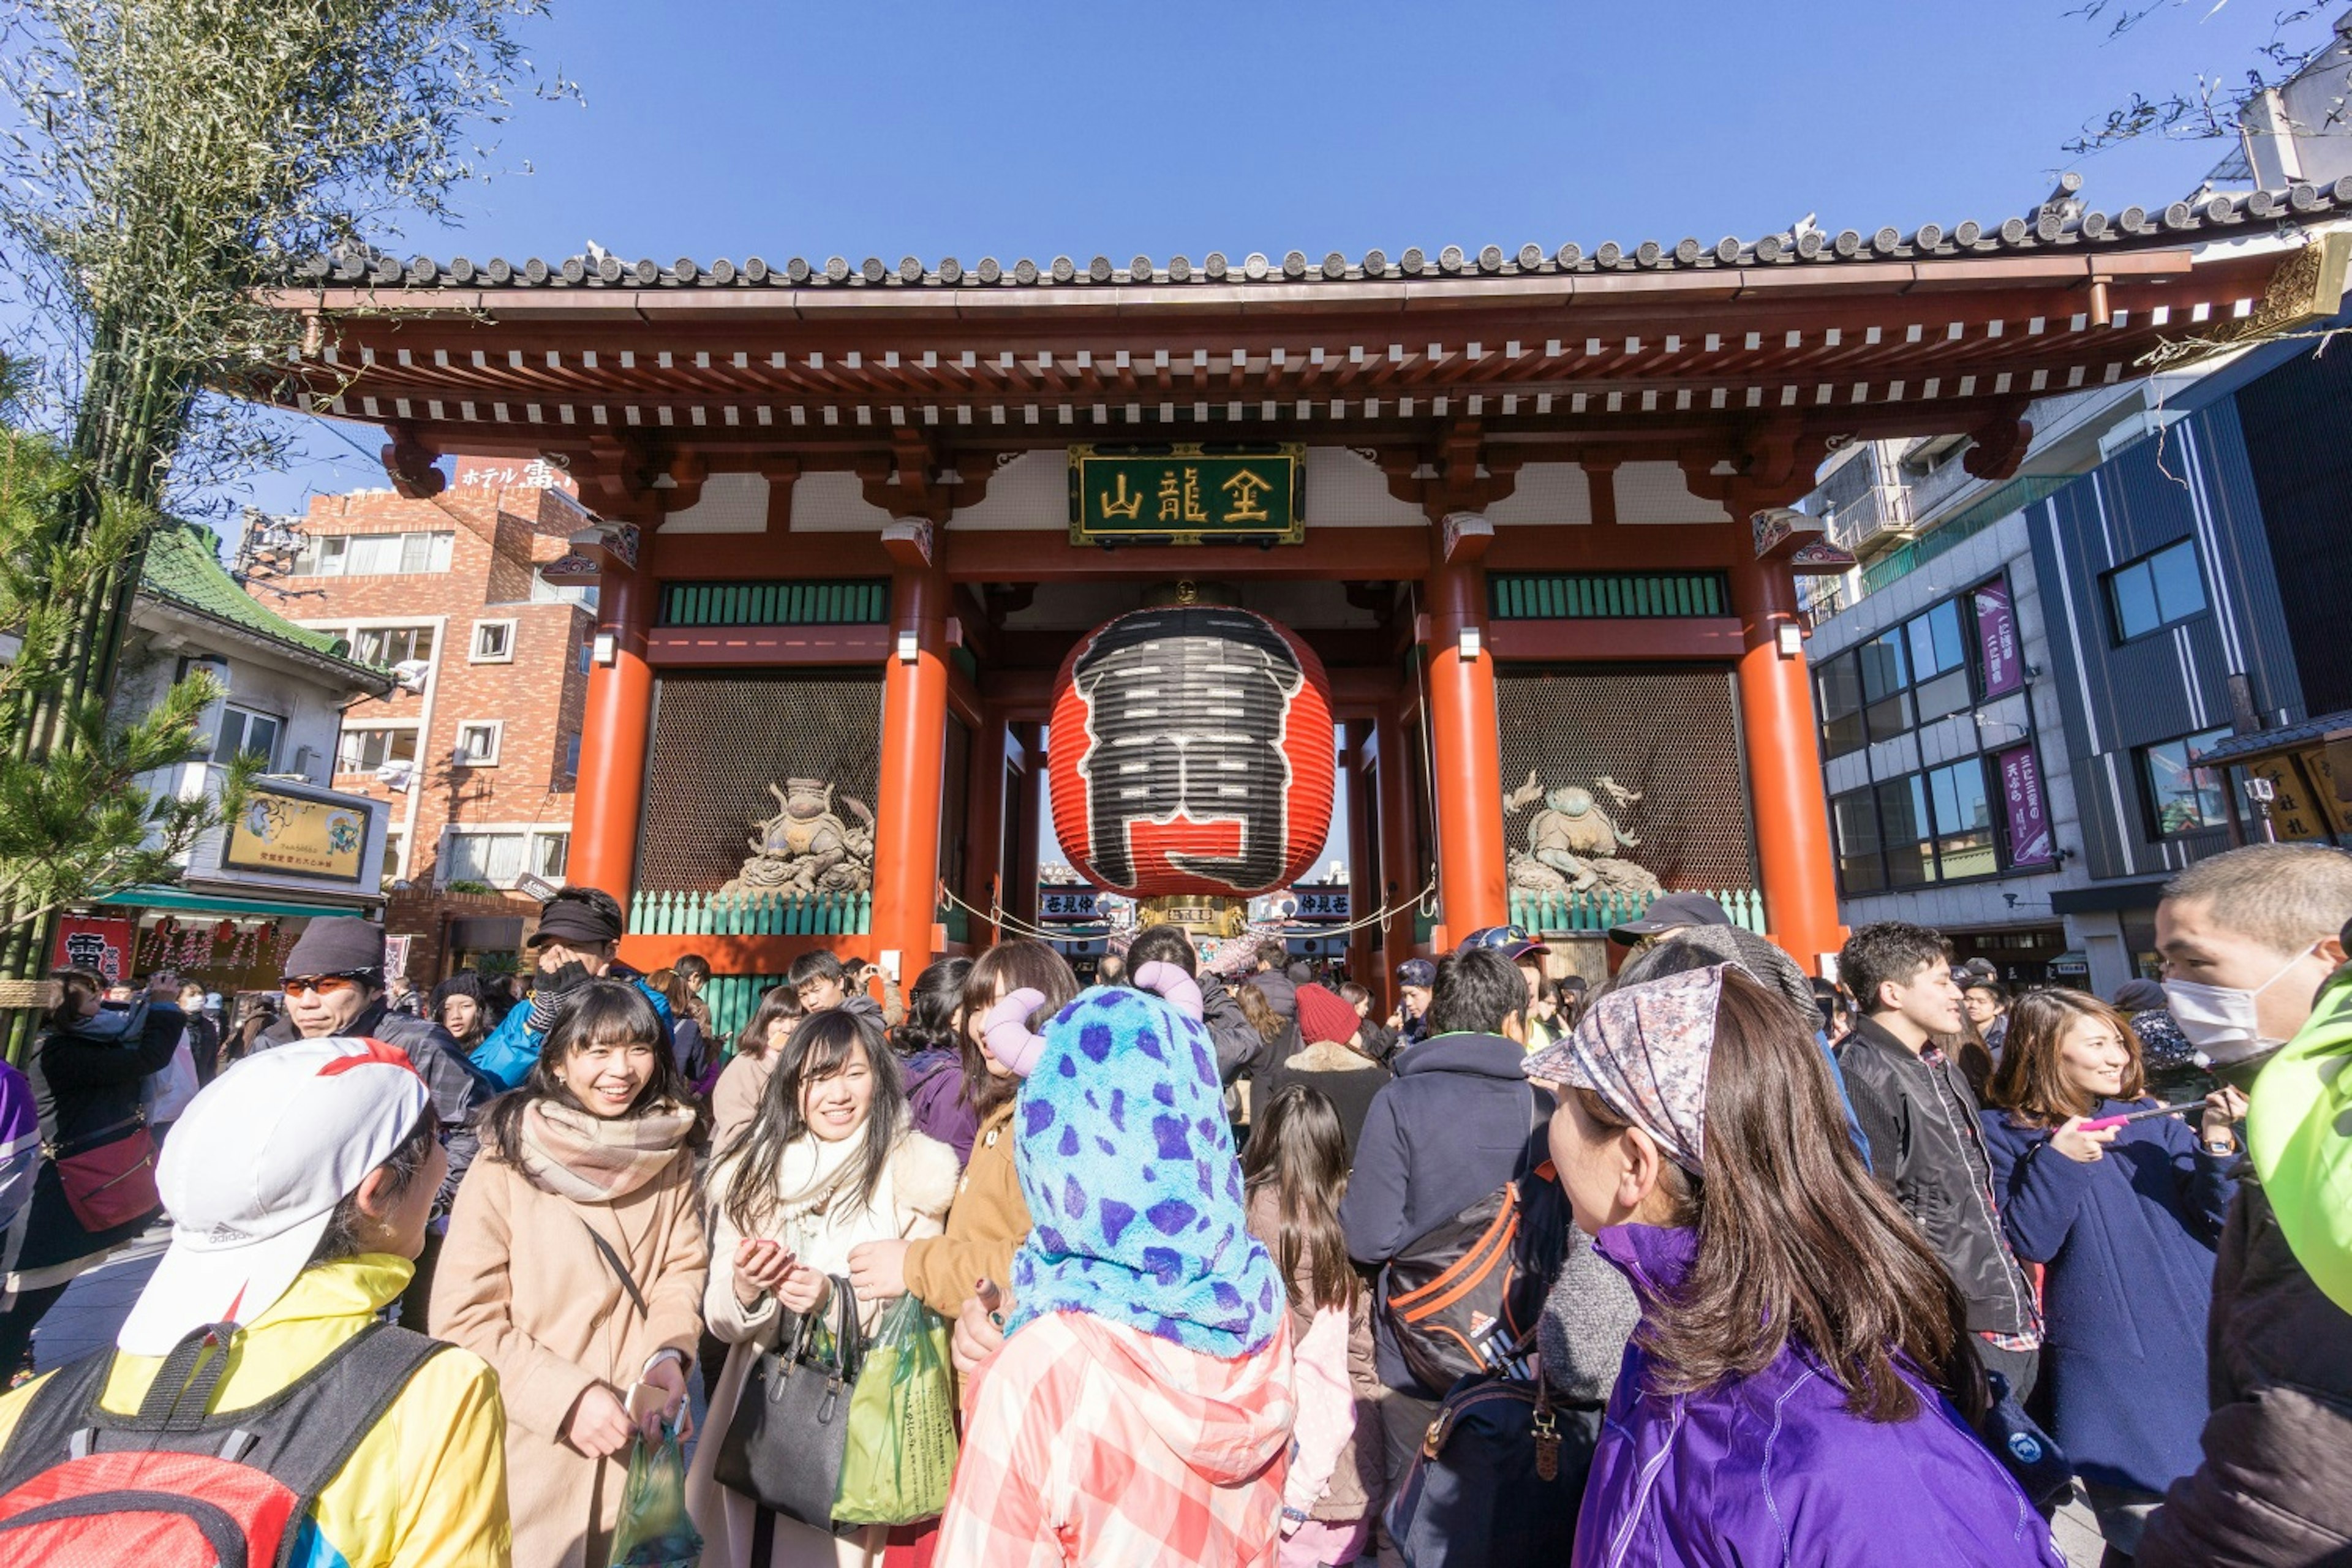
(1188, 493)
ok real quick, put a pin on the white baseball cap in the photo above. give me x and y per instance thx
(253, 1172)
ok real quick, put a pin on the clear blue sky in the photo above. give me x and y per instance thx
(1055, 127)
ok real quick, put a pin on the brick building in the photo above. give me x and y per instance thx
(476, 751)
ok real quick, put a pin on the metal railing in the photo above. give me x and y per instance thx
(660, 912)
(1599, 910)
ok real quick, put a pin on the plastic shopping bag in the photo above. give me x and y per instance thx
(655, 1532)
(902, 1439)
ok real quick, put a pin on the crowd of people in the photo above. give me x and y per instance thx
(1709, 1262)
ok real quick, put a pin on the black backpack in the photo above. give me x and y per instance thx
(1459, 1298)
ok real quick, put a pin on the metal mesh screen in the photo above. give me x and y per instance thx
(1671, 733)
(719, 740)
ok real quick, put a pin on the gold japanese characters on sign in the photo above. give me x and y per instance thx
(1188, 493)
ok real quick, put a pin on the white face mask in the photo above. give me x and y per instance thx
(2222, 1021)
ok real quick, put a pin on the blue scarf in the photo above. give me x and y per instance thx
(1128, 1169)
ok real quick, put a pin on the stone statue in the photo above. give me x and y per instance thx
(1573, 841)
(805, 847)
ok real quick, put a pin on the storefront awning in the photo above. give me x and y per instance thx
(150, 897)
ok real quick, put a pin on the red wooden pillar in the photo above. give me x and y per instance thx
(1400, 869)
(1363, 878)
(609, 793)
(1784, 764)
(914, 743)
(1028, 803)
(983, 833)
(1465, 752)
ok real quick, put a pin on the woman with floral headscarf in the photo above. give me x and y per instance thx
(1139, 1410)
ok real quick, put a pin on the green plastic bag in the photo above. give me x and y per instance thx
(902, 1438)
(2299, 1131)
(655, 1531)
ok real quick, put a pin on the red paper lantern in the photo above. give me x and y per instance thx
(1191, 753)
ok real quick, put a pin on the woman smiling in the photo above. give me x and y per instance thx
(575, 1262)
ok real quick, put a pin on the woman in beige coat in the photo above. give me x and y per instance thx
(829, 1162)
(735, 1099)
(592, 1343)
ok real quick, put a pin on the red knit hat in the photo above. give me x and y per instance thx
(1324, 1014)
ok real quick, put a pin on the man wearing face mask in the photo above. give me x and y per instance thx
(2248, 939)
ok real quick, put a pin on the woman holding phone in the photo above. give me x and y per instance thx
(829, 1161)
(2124, 1210)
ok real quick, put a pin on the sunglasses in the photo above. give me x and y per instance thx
(324, 985)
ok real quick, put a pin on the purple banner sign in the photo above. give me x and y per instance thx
(2029, 819)
(1997, 640)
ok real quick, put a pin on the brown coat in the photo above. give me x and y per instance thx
(1359, 1479)
(986, 1226)
(735, 1097)
(521, 1285)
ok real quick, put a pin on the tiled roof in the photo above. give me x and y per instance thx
(2262, 743)
(183, 570)
(2057, 225)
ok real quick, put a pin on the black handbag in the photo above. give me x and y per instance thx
(783, 1448)
(2030, 1456)
(1498, 1480)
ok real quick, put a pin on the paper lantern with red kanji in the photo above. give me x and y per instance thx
(1191, 753)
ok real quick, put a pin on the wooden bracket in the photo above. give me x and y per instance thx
(1998, 445)
(906, 480)
(409, 464)
(618, 476)
(1458, 474)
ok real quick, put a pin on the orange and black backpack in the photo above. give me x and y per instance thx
(1464, 1297)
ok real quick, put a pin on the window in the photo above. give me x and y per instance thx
(1924, 827)
(1840, 686)
(392, 840)
(363, 751)
(2155, 591)
(571, 753)
(1885, 674)
(493, 642)
(587, 656)
(2181, 798)
(1939, 661)
(243, 732)
(391, 645)
(493, 857)
(1861, 869)
(477, 743)
(375, 554)
(549, 853)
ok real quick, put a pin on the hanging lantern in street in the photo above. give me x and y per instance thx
(1191, 753)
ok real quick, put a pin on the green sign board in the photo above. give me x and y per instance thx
(1189, 493)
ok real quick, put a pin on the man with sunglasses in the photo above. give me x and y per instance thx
(334, 986)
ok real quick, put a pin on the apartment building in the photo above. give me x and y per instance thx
(475, 752)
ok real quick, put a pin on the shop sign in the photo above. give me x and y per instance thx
(100, 943)
(1188, 493)
(1330, 904)
(2030, 842)
(295, 836)
(1068, 904)
(1998, 646)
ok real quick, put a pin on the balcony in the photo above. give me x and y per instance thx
(1879, 514)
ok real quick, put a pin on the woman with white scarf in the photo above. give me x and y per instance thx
(829, 1162)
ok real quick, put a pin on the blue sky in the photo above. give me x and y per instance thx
(933, 130)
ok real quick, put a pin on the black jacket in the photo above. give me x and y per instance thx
(1239, 1046)
(1927, 1148)
(457, 1091)
(1277, 988)
(1459, 1120)
(85, 1089)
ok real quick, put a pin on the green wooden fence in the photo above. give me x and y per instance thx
(1567, 914)
(653, 912)
(731, 999)
(843, 601)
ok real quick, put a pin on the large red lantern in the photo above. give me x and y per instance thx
(1191, 753)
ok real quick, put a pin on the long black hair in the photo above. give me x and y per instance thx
(600, 1013)
(823, 1047)
(934, 1009)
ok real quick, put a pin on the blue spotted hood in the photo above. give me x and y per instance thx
(1128, 1165)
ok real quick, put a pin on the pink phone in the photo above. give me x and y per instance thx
(2103, 1122)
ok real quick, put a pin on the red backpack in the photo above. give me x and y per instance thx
(174, 1487)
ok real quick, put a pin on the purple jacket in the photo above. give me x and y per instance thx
(1772, 1469)
(935, 1101)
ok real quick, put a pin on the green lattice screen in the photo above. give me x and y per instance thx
(1587, 595)
(844, 602)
